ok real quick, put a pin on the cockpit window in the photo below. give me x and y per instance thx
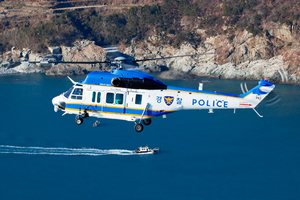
(77, 93)
(67, 94)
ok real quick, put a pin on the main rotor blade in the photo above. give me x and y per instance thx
(70, 62)
(197, 54)
(115, 61)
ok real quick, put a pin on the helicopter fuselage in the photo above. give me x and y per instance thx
(136, 96)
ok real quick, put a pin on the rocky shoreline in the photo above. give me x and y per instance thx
(4, 71)
(281, 69)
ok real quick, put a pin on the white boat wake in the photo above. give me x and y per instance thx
(59, 151)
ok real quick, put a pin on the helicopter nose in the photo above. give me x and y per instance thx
(55, 104)
(58, 104)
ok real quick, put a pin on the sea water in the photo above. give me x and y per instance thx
(44, 155)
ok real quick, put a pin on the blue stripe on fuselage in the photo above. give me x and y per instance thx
(115, 110)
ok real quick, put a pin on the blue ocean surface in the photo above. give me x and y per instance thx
(44, 155)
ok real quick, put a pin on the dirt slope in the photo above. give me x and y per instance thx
(23, 13)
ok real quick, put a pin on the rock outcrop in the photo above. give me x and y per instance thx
(81, 51)
(240, 57)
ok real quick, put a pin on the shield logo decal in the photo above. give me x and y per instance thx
(168, 100)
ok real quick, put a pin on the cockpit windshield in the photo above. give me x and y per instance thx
(77, 93)
(67, 94)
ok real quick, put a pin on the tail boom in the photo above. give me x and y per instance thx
(215, 100)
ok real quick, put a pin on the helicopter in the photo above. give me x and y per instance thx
(136, 96)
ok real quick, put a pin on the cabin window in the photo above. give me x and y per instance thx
(110, 97)
(67, 94)
(138, 99)
(93, 96)
(119, 99)
(77, 93)
(98, 97)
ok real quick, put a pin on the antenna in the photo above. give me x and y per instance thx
(72, 80)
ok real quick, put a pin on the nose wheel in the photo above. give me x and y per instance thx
(79, 121)
(79, 118)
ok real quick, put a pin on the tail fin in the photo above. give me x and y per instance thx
(254, 96)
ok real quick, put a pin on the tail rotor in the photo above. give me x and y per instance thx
(270, 100)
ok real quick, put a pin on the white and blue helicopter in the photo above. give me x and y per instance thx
(136, 96)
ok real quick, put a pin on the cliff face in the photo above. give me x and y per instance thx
(80, 51)
(255, 62)
(232, 52)
(205, 65)
(244, 57)
(241, 57)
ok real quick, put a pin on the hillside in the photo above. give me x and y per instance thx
(118, 22)
(25, 13)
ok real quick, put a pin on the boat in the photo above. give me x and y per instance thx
(146, 150)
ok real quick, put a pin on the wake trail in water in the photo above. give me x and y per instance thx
(60, 151)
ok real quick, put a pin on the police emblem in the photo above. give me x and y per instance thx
(168, 100)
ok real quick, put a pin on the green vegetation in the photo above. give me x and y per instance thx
(255, 31)
(235, 7)
(140, 22)
(113, 29)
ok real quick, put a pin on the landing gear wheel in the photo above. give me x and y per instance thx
(147, 121)
(138, 127)
(79, 121)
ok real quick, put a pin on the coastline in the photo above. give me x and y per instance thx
(277, 69)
